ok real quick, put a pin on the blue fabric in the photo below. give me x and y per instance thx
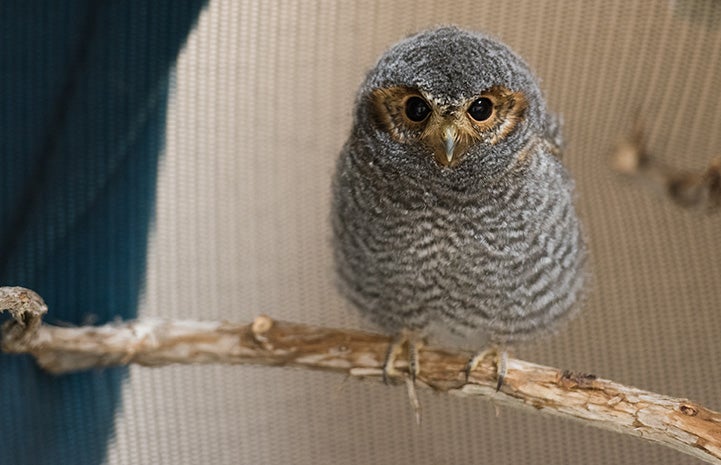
(83, 95)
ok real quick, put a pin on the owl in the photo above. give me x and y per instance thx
(451, 210)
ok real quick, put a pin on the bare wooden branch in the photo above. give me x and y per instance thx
(678, 423)
(27, 309)
(688, 189)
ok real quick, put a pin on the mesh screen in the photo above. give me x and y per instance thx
(261, 106)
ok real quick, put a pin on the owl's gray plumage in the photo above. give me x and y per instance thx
(489, 244)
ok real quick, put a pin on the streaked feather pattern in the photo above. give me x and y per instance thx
(489, 246)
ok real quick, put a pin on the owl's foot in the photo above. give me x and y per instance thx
(395, 348)
(390, 373)
(500, 357)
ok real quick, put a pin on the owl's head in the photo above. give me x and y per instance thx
(457, 98)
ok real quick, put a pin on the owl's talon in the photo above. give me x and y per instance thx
(500, 358)
(501, 368)
(395, 348)
(414, 367)
(385, 377)
(474, 361)
(389, 374)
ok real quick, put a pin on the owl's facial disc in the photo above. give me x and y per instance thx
(447, 131)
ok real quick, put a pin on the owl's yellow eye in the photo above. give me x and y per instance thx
(481, 109)
(417, 109)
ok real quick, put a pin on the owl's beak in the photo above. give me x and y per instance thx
(449, 143)
(449, 138)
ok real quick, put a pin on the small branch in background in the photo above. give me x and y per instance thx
(688, 189)
(677, 423)
(27, 309)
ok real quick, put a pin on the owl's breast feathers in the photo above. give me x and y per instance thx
(505, 258)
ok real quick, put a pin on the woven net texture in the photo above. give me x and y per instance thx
(261, 106)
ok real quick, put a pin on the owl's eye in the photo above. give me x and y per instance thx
(481, 109)
(417, 109)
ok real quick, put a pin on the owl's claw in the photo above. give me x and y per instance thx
(501, 369)
(395, 348)
(390, 373)
(414, 367)
(500, 357)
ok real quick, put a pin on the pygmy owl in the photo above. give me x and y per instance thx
(451, 209)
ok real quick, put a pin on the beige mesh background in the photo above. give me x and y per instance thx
(262, 105)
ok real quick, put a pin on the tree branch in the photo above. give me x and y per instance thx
(677, 423)
(687, 189)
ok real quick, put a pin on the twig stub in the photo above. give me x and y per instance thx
(26, 308)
